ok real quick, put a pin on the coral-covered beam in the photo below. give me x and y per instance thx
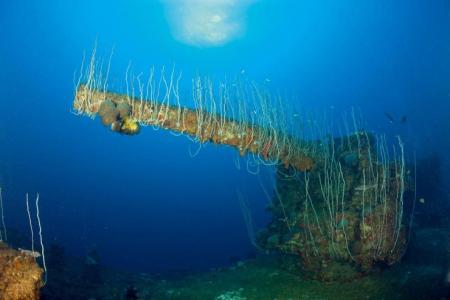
(125, 114)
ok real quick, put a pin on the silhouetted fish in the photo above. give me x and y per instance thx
(390, 118)
(403, 119)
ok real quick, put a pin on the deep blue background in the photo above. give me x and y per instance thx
(142, 201)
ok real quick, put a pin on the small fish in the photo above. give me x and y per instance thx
(242, 71)
(390, 117)
(267, 80)
(403, 119)
(30, 253)
(422, 200)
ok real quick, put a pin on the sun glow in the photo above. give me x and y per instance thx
(207, 23)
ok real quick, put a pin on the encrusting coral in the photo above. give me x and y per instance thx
(118, 117)
(20, 275)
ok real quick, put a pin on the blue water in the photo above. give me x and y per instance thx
(142, 201)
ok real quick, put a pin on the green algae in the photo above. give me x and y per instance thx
(256, 280)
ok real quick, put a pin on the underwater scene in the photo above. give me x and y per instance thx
(224, 149)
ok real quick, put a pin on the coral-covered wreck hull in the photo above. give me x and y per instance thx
(347, 216)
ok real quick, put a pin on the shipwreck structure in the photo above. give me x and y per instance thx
(127, 114)
(338, 202)
(345, 217)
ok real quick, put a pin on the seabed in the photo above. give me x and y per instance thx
(421, 275)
